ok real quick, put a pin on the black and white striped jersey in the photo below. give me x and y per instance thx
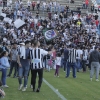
(72, 55)
(36, 55)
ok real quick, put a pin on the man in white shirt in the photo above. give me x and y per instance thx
(29, 4)
(55, 5)
(79, 53)
(18, 13)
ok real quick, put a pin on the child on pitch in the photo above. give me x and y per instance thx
(58, 63)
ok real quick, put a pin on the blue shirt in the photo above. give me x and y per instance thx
(4, 63)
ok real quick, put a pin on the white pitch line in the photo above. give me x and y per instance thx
(60, 95)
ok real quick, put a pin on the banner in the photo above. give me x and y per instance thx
(8, 20)
(19, 23)
(75, 12)
(50, 34)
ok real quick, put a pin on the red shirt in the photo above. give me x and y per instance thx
(33, 4)
(38, 24)
(96, 22)
(32, 25)
(86, 2)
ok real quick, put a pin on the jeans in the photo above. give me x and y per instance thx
(69, 65)
(49, 64)
(48, 68)
(62, 62)
(83, 6)
(65, 64)
(99, 29)
(51, 9)
(13, 64)
(23, 71)
(78, 64)
(3, 77)
(84, 65)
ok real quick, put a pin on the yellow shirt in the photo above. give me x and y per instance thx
(78, 23)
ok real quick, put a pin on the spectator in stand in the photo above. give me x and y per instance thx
(92, 8)
(72, 1)
(79, 8)
(65, 16)
(97, 23)
(29, 4)
(86, 3)
(99, 8)
(49, 15)
(99, 27)
(67, 8)
(43, 6)
(61, 16)
(33, 5)
(83, 6)
(38, 5)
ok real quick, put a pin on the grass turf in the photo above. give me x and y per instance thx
(80, 88)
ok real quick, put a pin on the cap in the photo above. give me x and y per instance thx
(22, 43)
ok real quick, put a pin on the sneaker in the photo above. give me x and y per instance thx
(58, 76)
(31, 86)
(20, 87)
(38, 90)
(14, 76)
(97, 80)
(66, 76)
(5, 86)
(90, 79)
(24, 89)
(54, 75)
(8, 75)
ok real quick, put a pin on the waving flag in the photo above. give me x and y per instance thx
(50, 34)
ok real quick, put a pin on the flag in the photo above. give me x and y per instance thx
(50, 34)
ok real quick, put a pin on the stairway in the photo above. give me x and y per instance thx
(78, 3)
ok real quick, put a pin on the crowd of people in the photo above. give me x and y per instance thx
(76, 46)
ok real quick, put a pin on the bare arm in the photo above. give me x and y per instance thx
(18, 61)
(50, 52)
